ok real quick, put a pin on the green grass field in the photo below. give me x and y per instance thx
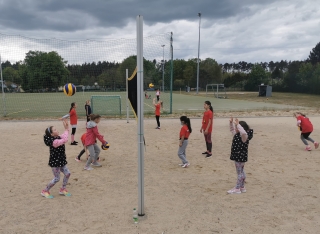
(52, 105)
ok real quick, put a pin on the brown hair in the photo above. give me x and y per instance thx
(48, 131)
(93, 117)
(244, 125)
(72, 106)
(299, 113)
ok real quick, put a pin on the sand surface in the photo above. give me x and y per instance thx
(283, 181)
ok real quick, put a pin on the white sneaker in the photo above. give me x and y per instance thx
(234, 191)
(96, 164)
(88, 168)
(185, 165)
(243, 190)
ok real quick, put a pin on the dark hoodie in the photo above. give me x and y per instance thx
(57, 155)
(239, 149)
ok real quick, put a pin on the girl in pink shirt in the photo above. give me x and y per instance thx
(57, 158)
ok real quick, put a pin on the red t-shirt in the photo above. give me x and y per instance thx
(73, 117)
(205, 120)
(158, 109)
(305, 124)
(83, 138)
(184, 132)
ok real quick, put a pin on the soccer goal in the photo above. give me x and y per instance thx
(109, 105)
(218, 90)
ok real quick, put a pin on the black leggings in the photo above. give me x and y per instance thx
(73, 131)
(158, 120)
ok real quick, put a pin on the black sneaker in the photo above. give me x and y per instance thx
(209, 155)
(74, 143)
(205, 152)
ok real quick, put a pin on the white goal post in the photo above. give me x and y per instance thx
(219, 90)
(109, 105)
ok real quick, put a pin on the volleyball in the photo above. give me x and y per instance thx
(151, 85)
(105, 146)
(69, 89)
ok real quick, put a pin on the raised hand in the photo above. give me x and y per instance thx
(65, 124)
(236, 121)
(231, 120)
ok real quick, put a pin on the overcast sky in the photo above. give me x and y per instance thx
(230, 31)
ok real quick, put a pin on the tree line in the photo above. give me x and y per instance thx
(48, 70)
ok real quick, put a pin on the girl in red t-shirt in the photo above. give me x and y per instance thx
(206, 127)
(183, 140)
(157, 106)
(306, 129)
(73, 121)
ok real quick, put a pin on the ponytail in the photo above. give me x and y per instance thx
(209, 104)
(186, 120)
(72, 105)
(48, 131)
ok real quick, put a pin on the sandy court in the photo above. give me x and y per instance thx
(282, 181)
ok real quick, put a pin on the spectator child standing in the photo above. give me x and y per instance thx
(73, 121)
(306, 129)
(157, 106)
(158, 95)
(57, 158)
(183, 140)
(206, 128)
(87, 107)
(242, 134)
(90, 142)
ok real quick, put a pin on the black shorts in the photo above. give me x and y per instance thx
(306, 134)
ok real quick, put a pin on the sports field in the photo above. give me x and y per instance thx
(51, 105)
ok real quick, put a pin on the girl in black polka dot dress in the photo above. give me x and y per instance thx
(242, 134)
(57, 158)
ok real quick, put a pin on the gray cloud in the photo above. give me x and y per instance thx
(231, 30)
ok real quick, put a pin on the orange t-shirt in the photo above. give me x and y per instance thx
(73, 117)
(184, 132)
(83, 138)
(205, 120)
(157, 109)
(305, 124)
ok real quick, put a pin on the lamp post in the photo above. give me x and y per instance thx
(163, 68)
(199, 14)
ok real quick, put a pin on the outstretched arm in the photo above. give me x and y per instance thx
(243, 133)
(64, 136)
(232, 130)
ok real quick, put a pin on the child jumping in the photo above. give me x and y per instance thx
(73, 121)
(57, 158)
(306, 129)
(157, 106)
(242, 134)
(183, 140)
(206, 128)
(90, 142)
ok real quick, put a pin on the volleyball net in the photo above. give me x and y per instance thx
(33, 72)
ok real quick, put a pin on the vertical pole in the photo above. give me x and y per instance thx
(140, 115)
(163, 67)
(171, 77)
(217, 90)
(199, 14)
(127, 102)
(3, 95)
(206, 90)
